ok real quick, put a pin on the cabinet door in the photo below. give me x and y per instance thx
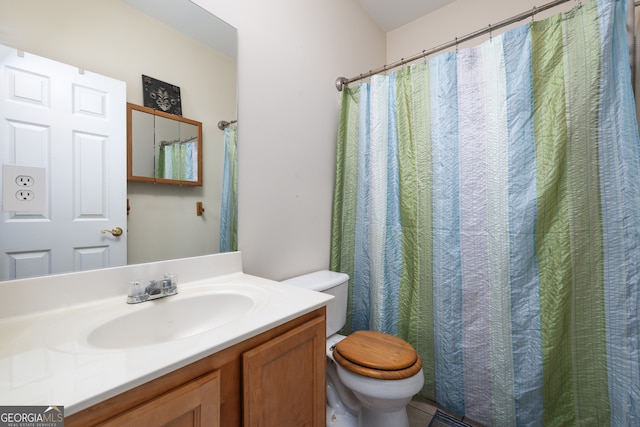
(193, 404)
(284, 379)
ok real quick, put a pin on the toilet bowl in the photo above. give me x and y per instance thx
(371, 376)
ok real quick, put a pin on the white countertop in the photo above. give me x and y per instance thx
(46, 359)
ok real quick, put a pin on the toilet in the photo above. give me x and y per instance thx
(371, 376)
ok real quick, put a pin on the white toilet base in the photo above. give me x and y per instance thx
(370, 418)
(367, 418)
(336, 420)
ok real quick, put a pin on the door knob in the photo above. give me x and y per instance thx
(115, 231)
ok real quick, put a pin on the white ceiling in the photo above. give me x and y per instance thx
(391, 14)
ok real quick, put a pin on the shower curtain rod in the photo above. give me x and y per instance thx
(176, 142)
(342, 81)
(223, 124)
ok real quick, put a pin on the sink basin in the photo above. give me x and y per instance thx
(170, 319)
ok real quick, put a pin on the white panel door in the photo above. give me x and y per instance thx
(73, 124)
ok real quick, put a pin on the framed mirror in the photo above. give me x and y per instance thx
(163, 148)
(176, 41)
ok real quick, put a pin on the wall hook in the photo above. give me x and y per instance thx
(199, 209)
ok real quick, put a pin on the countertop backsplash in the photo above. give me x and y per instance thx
(25, 297)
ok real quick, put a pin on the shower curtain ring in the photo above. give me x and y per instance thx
(533, 14)
(456, 45)
(490, 34)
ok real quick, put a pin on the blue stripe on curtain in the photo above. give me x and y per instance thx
(229, 202)
(361, 295)
(393, 243)
(620, 218)
(525, 305)
(191, 165)
(446, 233)
(378, 143)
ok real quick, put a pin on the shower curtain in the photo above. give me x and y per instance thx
(487, 209)
(178, 161)
(229, 205)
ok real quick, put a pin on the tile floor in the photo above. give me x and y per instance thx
(421, 410)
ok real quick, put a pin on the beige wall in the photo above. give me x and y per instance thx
(290, 53)
(110, 38)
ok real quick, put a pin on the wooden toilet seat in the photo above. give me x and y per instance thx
(377, 355)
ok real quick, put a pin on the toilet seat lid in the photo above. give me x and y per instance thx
(377, 355)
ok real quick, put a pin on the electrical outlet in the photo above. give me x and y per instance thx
(24, 180)
(25, 196)
(23, 188)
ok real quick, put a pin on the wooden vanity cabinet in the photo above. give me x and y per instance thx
(284, 379)
(196, 403)
(276, 378)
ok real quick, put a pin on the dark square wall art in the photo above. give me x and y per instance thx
(161, 96)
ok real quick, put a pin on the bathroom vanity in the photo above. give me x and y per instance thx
(229, 349)
(273, 379)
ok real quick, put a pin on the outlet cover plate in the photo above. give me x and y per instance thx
(18, 180)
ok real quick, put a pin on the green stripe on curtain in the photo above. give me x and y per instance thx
(582, 76)
(343, 230)
(552, 226)
(415, 309)
(160, 168)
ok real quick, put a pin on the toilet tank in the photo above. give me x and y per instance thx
(332, 283)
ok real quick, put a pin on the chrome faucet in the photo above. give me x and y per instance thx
(155, 289)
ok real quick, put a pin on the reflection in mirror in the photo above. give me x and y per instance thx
(141, 160)
(177, 151)
(116, 38)
(163, 148)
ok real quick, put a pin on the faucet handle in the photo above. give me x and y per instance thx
(170, 284)
(173, 277)
(136, 293)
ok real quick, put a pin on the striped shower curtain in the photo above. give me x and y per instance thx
(487, 209)
(178, 161)
(229, 205)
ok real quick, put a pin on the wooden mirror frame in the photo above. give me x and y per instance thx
(157, 113)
